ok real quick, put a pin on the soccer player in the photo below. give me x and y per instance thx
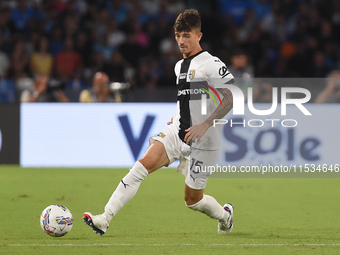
(189, 136)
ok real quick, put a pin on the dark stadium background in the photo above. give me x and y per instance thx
(132, 41)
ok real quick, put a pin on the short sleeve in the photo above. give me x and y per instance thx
(177, 67)
(218, 73)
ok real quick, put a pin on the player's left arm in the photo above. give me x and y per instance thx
(197, 131)
(223, 109)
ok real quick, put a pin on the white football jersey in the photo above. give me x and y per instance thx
(196, 78)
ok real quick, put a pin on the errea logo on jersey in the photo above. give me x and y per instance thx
(191, 75)
(182, 76)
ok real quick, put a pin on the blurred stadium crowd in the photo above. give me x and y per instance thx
(133, 41)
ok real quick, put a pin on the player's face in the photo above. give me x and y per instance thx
(188, 42)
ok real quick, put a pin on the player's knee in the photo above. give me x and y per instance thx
(149, 163)
(155, 157)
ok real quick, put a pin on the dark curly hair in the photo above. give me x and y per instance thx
(188, 20)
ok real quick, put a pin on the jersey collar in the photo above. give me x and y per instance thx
(191, 57)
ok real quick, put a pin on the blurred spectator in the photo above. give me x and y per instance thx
(319, 68)
(261, 8)
(128, 26)
(175, 7)
(100, 91)
(289, 8)
(248, 25)
(4, 65)
(74, 8)
(157, 33)
(45, 90)
(103, 47)
(68, 62)
(234, 8)
(19, 62)
(100, 25)
(331, 93)
(300, 65)
(167, 79)
(151, 6)
(97, 63)
(288, 38)
(115, 69)
(7, 91)
(60, 6)
(21, 15)
(83, 46)
(131, 51)
(276, 24)
(116, 37)
(71, 25)
(7, 29)
(117, 9)
(142, 39)
(169, 49)
(50, 16)
(42, 60)
(144, 78)
(241, 70)
(263, 92)
(142, 16)
(57, 43)
(33, 43)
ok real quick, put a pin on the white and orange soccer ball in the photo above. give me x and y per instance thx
(56, 220)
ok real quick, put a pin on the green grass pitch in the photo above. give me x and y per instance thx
(272, 216)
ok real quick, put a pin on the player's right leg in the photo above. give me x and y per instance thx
(154, 158)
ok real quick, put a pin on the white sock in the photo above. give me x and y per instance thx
(126, 190)
(209, 206)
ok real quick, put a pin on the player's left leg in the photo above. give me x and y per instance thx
(195, 198)
(198, 201)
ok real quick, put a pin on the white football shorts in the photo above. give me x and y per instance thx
(193, 162)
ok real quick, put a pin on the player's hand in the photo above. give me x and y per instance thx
(195, 132)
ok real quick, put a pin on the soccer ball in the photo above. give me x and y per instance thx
(56, 220)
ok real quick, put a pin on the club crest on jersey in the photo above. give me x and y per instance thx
(191, 74)
(161, 134)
